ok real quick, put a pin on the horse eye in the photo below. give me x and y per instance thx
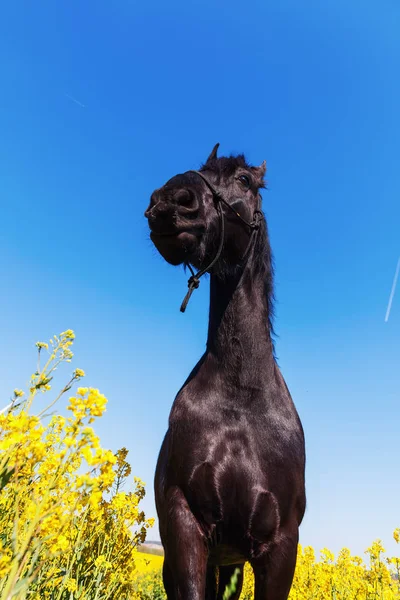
(244, 180)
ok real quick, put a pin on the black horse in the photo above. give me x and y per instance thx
(229, 482)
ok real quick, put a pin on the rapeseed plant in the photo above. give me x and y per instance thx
(345, 577)
(67, 528)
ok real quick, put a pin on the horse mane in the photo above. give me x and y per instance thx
(226, 166)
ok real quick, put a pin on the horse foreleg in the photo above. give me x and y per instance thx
(185, 550)
(273, 574)
(168, 580)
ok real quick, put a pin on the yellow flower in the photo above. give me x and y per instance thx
(96, 403)
(68, 334)
(79, 373)
(375, 550)
(18, 393)
(119, 501)
(82, 391)
(62, 543)
(5, 561)
(71, 585)
(87, 455)
(69, 441)
(40, 345)
(101, 561)
(95, 499)
(327, 556)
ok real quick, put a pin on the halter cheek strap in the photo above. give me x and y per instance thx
(194, 280)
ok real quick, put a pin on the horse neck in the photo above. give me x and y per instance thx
(239, 331)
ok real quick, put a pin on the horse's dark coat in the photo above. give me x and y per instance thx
(229, 482)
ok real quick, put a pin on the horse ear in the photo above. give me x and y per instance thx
(213, 153)
(260, 171)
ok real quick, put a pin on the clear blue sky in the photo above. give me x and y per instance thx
(311, 87)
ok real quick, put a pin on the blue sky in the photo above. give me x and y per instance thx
(313, 88)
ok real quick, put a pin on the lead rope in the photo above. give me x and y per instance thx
(194, 280)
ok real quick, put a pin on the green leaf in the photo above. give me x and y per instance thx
(231, 587)
(5, 475)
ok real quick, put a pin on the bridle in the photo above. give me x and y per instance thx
(220, 201)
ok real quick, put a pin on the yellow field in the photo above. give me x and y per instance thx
(344, 577)
(148, 562)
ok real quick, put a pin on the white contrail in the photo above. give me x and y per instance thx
(392, 291)
(74, 100)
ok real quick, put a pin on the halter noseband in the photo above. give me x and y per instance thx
(194, 280)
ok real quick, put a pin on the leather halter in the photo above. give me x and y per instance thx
(220, 201)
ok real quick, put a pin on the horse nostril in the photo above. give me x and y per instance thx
(151, 212)
(150, 216)
(183, 197)
(154, 202)
(160, 208)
